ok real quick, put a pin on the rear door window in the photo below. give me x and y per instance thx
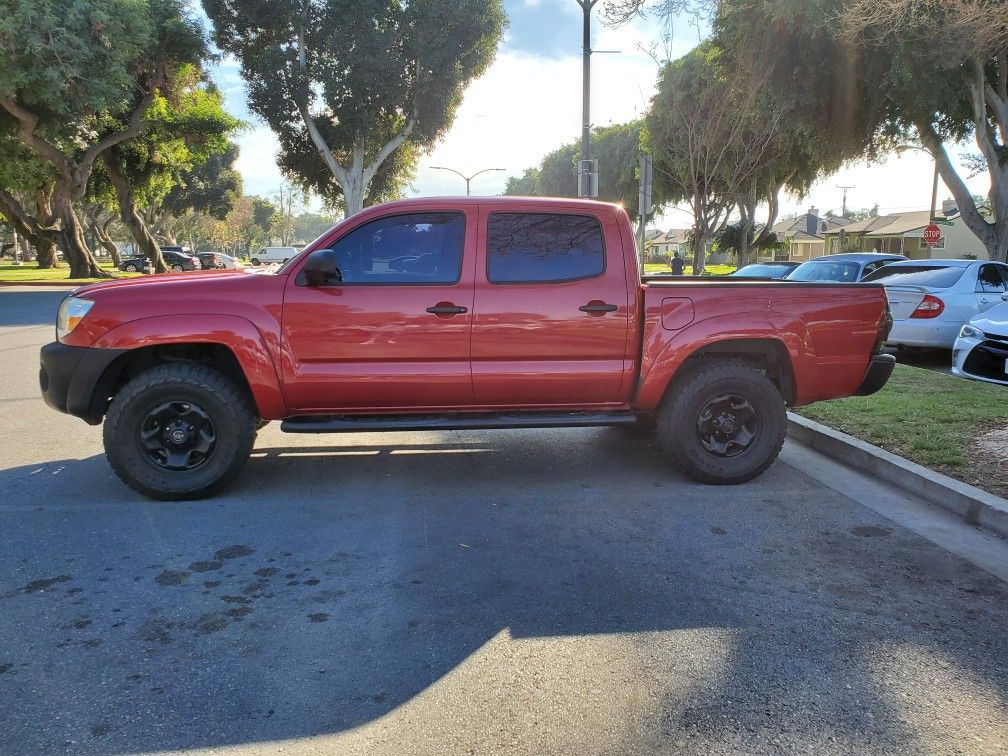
(935, 276)
(991, 280)
(543, 247)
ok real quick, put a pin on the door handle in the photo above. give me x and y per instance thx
(598, 307)
(447, 310)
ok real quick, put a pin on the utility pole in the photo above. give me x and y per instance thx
(843, 211)
(643, 204)
(587, 173)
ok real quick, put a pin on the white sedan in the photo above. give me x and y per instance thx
(981, 351)
(931, 299)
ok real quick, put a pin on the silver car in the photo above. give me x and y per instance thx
(931, 299)
(981, 351)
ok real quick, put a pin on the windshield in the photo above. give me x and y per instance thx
(762, 271)
(826, 270)
(933, 276)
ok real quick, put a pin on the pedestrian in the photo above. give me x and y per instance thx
(677, 265)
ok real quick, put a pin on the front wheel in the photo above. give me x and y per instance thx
(179, 431)
(723, 422)
(255, 262)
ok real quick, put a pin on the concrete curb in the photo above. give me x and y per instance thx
(979, 508)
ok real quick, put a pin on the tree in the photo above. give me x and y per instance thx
(358, 83)
(945, 66)
(711, 145)
(209, 188)
(80, 84)
(27, 182)
(618, 151)
(309, 226)
(183, 129)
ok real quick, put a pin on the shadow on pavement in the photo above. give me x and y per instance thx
(335, 584)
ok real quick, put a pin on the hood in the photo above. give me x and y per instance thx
(994, 321)
(157, 282)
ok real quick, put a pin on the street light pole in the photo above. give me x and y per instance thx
(467, 179)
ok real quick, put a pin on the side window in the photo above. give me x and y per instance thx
(991, 280)
(871, 268)
(419, 248)
(543, 247)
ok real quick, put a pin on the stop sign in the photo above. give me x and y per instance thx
(932, 235)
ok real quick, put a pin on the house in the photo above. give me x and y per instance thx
(903, 234)
(666, 244)
(803, 237)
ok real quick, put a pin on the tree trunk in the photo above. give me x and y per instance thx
(747, 208)
(45, 246)
(146, 243)
(71, 238)
(699, 244)
(102, 235)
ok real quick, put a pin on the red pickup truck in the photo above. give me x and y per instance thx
(455, 314)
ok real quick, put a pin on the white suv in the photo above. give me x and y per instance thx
(270, 255)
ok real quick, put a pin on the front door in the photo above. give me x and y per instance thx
(552, 309)
(394, 333)
(992, 283)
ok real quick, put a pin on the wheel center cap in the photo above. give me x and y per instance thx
(177, 436)
(726, 424)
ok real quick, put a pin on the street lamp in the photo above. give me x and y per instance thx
(934, 187)
(468, 179)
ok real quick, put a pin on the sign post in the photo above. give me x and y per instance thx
(932, 235)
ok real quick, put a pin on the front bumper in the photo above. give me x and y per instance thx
(75, 380)
(879, 370)
(981, 359)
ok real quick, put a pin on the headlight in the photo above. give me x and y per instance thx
(969, 332)
(71, 312)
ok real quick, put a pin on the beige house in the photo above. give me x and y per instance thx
(666, 244)
(903, 234)
(803, 237)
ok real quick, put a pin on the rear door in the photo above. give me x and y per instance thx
(992, 282)
(394, 334)
(552, 308)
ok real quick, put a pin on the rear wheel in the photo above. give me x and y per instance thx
(179, 431)
(723, 422)
(255, 262)
(130, 268)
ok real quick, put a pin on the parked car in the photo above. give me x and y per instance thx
(931, 299)
(135, 264)
(462, 313)
(981, 350)
(847, 268)
(775, 270)
(267, 255)
(178, 260)
(217, 260)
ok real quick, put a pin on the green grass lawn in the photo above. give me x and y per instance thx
(29, 273)
(930, 418)
(717, 270)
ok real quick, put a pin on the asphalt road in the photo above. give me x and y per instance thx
(491, 592)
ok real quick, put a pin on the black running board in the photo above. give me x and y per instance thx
(370, 423)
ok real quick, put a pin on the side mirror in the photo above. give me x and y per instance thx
(320, 269)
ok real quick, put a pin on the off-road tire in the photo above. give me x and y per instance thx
(229, 408)
(686, 398)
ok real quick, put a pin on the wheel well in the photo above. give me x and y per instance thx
(767, 355)
(127, 366)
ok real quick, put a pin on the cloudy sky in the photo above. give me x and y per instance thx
(529, 102)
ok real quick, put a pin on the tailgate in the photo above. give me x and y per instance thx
(903, 300)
